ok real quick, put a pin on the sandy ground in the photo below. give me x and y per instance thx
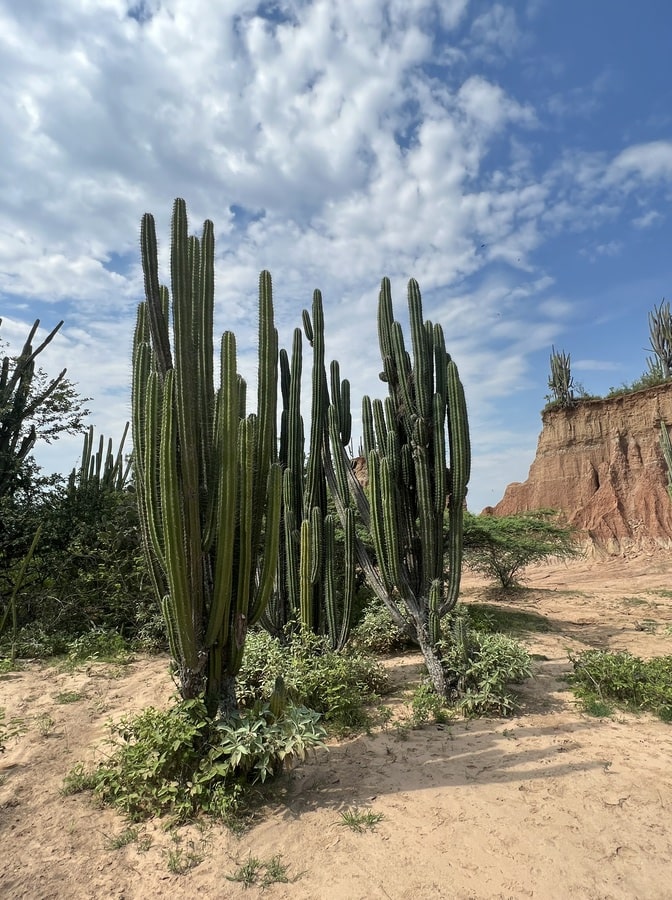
(549, 804)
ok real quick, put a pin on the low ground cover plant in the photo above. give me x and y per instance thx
(181, 762)
(601, 678)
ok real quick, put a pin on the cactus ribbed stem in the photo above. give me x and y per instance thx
(207, 485)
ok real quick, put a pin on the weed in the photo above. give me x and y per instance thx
(340, 686)
(488, 617)
(377, 632)
(78, 780)
(98, 644)
(359, 820)
(593, 706)
(481, 666)
(428, 706)
(123, 839)
(69, 697)
(180, 861)
(635, 601)
(265, 873)
(45, 724)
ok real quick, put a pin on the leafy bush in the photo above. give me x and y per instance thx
(481, 666)
(182, 762)
(599, 675)
(337, 685)
(501, 546)
(376, 631)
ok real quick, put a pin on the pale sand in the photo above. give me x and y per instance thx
(549, 804)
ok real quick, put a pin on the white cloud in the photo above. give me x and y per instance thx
(332, 142)
(651, 161)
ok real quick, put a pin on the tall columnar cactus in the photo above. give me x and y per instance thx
(103, 470)
(208, 487)
(411, 490)
(316, 573)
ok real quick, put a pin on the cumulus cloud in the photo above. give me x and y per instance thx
(332, 142)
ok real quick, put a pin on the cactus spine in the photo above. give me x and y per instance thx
(208, 487)
(410, 488)
(311, 587)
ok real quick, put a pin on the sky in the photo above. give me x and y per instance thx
(515, 158)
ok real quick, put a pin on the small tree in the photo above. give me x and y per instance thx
(660, 328)
(501, 546)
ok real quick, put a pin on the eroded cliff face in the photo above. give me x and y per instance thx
(601, 463)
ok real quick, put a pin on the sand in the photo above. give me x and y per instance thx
(550, 803)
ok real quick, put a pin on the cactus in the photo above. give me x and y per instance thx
(666, 447)
(560, 380)
(102, 471)
(310, 588)
(208, 487)
(660, 331)
(18, 404)
(411, 491)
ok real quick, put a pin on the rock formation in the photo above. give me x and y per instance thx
(600, 462)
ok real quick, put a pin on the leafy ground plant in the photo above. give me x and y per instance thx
(601, 677)
(181, 762)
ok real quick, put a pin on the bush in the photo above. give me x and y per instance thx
(637, 684)
(481, 666)
(376, 631)
(182, 762)
(501, 546)
(337, 685)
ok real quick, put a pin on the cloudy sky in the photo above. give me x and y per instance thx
(514, 157)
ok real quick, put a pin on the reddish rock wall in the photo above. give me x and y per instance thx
(600, 462)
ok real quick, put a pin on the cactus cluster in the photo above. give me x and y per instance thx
(208, 484)
(560, 380)
(412, 494)
(103, 470)
(316, 579)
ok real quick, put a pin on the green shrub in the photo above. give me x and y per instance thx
(376, 631)
(481, 667)
(337, 685)
(625, 679)
(182, 762)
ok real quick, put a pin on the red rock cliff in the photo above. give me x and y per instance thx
(600, 462)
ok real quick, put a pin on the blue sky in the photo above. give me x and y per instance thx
(515, 158)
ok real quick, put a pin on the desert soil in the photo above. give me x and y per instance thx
(550, 803)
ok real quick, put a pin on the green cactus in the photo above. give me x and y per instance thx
(209, 489)
(103, 471)
(666, 447)
(411, 491)
(310, 589)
